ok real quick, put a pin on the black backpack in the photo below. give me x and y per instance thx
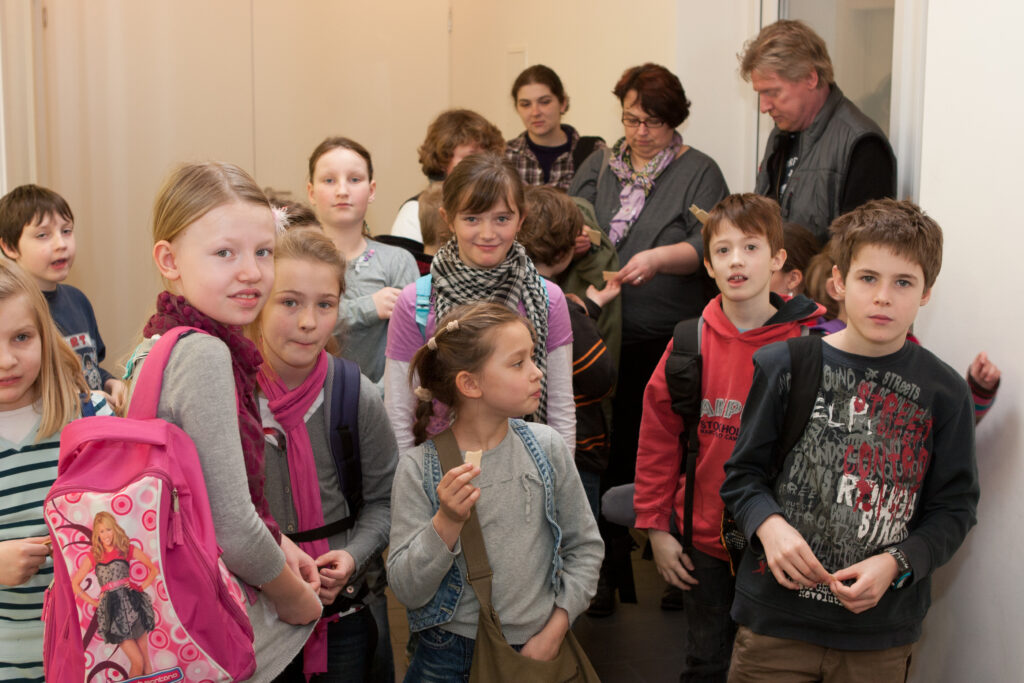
(584, 148)
(683, 372)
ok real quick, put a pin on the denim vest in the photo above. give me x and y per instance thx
(441, 607)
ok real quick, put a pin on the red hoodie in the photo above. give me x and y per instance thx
(728, 371)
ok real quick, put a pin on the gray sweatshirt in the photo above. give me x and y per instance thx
(360, 331)
(198, 395)
(516, 534)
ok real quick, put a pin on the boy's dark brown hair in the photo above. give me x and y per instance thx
(27, 204)
(899, 226)
(552, 223)
(752, 214)
(453, 128)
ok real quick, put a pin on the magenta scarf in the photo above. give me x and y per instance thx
(289, 408)
(174, 311)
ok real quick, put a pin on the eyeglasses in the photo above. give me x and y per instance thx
(652, 123)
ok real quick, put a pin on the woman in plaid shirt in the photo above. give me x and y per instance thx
(548, 152)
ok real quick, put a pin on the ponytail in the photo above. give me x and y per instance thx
(462, 343)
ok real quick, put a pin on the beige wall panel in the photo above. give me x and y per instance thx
(374, 72)
(132, 89)
(589, 44)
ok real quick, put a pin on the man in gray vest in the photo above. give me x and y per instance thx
(824, 157)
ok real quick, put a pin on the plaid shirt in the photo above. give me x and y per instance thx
(519, 154)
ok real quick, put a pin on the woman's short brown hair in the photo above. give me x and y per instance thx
(453, 128)
(658, 91)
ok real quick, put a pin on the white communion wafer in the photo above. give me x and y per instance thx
(474, 457)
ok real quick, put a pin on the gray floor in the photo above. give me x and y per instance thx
(637, 644)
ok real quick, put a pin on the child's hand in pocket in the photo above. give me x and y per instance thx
(548, 641)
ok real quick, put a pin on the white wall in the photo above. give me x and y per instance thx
(723, 116)
(132, 89)
(970, 183)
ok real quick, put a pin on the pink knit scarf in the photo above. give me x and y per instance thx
(289, 408)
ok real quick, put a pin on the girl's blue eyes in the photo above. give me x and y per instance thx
(260, 253)
(23, 337)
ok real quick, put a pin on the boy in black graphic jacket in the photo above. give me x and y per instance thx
(847, 528)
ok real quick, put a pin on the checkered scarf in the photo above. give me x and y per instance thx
(515, 280)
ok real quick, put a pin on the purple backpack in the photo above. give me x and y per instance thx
(139, 590)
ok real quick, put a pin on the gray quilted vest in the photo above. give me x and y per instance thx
(823, 156)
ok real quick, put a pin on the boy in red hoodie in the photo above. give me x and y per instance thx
(742, 248)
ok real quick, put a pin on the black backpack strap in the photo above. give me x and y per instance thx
(584, 148)
(806, 366)
(683, 377)
(344, 432)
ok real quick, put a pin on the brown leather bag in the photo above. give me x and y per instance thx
(494, 660)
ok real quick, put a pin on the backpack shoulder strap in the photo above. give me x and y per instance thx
(683, 373)
(344, 431)
(85, 401)
(606, 155)
(683, 367)
(423, 286)
(805, 360)
(584, 148)
(146, 391)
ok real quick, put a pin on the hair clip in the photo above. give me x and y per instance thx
(423, 394)
(450, 327)
(280, 218)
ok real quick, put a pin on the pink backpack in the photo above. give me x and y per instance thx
(139, 591)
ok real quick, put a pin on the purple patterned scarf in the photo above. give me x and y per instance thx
(636, 185)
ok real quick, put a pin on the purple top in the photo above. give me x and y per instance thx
(404, 337)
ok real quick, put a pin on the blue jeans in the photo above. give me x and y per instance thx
(350, 643)
(709, 628)
(383, 667)
(441, 657)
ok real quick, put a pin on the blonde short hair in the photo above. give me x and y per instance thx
(790, 49)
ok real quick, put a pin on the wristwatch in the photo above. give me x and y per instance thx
(904, 571)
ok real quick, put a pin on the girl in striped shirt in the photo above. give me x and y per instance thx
(41, 386)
